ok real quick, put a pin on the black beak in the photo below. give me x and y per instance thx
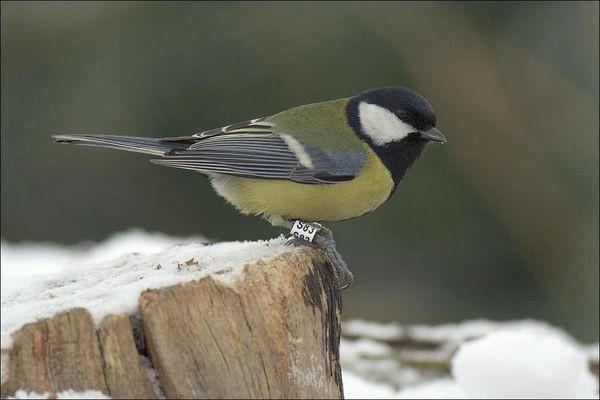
(433, 135)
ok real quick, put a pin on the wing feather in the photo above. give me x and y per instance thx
(252, 149)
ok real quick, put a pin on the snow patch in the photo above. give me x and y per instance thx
(28, 259)
(593, 352)
(65, 394)
(112, 287)
(514, 359)
(373, 330)
(377, 362)
(519, 363)
(358, 387)
(152, 377)
(444, 388)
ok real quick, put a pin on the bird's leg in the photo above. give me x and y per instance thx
(324, 239)
(317, 236)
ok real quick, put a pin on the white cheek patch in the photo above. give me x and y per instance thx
(381, 125)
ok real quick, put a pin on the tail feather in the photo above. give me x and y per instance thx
(128, 143)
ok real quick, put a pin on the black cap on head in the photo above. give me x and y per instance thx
(407, 104)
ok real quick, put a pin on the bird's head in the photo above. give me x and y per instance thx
(397, 123)
(393, 114)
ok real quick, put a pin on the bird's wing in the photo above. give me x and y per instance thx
(261, 149)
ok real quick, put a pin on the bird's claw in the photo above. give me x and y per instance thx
(324, 242)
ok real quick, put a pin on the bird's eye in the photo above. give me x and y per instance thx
(421, 121)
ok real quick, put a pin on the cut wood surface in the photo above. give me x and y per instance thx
(55, 354)
(273, 333)
(124, 372)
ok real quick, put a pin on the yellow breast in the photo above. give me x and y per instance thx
(276, 199)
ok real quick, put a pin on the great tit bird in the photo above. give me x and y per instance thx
(327, 161)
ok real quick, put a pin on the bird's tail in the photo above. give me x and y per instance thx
(127, 143)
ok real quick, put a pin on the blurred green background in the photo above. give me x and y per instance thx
(501, 223)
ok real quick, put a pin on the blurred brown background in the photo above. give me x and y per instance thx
(502, 222)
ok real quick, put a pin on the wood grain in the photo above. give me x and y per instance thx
(124, 372)
(274, 333)
(55, 354)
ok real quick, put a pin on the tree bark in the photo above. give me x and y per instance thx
(274, 333)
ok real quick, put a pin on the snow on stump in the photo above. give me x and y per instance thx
(272, 332)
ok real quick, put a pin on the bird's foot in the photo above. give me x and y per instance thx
(323, 241)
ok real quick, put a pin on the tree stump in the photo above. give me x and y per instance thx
(274, 333)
